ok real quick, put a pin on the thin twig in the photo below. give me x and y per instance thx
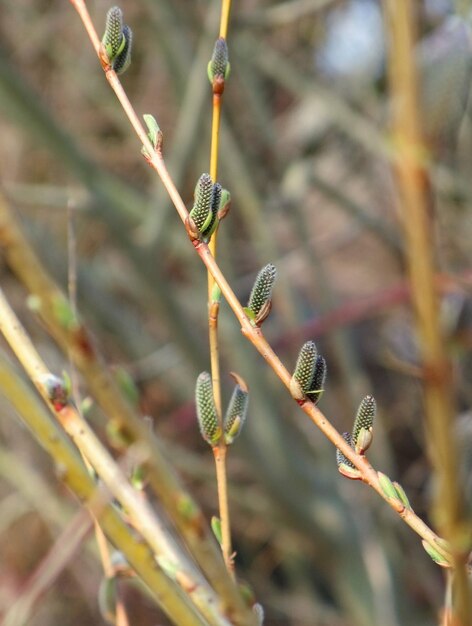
(219, 451)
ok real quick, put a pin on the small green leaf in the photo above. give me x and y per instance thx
(435, 555)
(64, 314)
(402, 495)
(138, 477)
(237, 411)
(154, 133)
(107, 596)
(387, 486)
(215, 293)
(216, 528)
(250, 313)
(127, 385)
(168, 567)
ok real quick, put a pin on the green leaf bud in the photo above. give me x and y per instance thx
(261, 294)
(216, 528)
(364, 421)
(225, 204)
(123, 59)
(154, 134)
(318, 381)
(435, 555)
(237, 411)
(107, 597)
(219, 64)
(402, 495)
(201, 211)
(113, 38)
(387, 486)
(206, 410)
(305, 367)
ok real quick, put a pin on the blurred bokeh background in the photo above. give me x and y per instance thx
(305, 155)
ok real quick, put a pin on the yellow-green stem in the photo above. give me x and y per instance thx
(219, 453)
(213, 312)
(416, 208)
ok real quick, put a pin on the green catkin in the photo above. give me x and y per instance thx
(214, 208)
(123, 60)
(364, 417)
(262, 290)
(305, 367)
(206, 410)
(341, 459)
(236, 414)
(318, 380)
(219, 65)
(113, 38)
(201, 211)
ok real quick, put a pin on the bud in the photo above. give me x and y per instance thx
(214, 208)
(154, 134)
(113, 39)
(216, 528)
(305, 367)
(219, 64)
(56, 390)
(122, 61)
(201, 211)
(206, 410)
(345, 466)
(237, 411)
(107, 597)
(364, 422)
(318, 381)
(261, 294)
(225, 204)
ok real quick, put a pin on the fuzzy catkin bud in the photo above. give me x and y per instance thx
(236, 414)
(318, 381)
(206, 410)
(113, 37)
(341, 459)
(123, 59)
(261, 293)
(201, 211)
(214, 208)
(305, 367)
(219, 65)
(362, 429)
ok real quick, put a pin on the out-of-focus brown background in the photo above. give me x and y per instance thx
(303, 152)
